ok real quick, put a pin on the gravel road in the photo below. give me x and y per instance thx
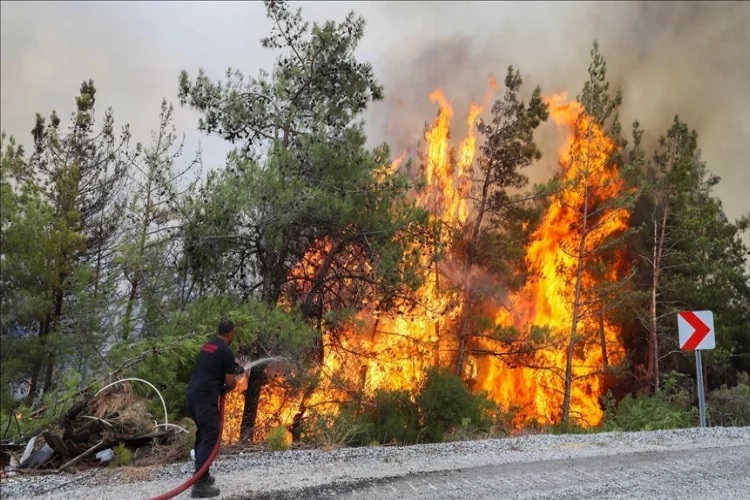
(685, 464)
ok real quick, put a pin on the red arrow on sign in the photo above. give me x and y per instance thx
(701, 330)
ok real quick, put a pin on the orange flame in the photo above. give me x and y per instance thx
(393, 350)
(234, 406)
(547, 300)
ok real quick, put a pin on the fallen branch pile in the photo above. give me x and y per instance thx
(114, 419)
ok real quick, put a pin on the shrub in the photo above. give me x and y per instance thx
(667, 409)
(277, 439)
(495, 420)
(445, 404)
(391, 416)
(187, 439)
(729, 407)
(332, 431)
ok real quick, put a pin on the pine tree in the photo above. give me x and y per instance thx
(25, 277)
(666, 177)
(500, 219)
(149, 255)
(81, 174)
(599, 197)
(706, 267)
(301, 180)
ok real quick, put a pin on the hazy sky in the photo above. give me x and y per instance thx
(689, 58)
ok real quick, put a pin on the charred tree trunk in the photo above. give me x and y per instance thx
(256, 380)
(296, 428)
(464, 319)
(574, 324)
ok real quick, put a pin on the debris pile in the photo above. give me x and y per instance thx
(114, 425)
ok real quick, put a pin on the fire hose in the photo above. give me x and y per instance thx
(187, 484)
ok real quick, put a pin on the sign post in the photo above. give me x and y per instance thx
(701, 390)
(696, 332)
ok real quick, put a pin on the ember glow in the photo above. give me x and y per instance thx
(391, 351)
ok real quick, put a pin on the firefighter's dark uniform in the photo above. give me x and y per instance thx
(215, 360)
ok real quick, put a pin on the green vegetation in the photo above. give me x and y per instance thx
(730, 407)
(669, 408)
(276, 439)
(119, 259)
(123, 456)
(443, 409)
(391, 417)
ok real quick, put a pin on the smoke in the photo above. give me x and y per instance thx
(668, 57)
(686, 58)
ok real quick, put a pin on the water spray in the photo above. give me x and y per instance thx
(262, 361)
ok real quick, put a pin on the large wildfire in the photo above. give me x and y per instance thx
(392, 351)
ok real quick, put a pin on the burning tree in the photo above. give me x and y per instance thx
(304, 217)
(595, 204)
(371, 283)
(495, 247)
(303, 184)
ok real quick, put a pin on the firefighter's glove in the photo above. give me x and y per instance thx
(238, 369)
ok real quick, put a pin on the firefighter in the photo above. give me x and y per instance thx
(215, 372)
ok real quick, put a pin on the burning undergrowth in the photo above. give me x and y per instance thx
(521, 361)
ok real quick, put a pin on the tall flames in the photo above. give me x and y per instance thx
(547, 301)
(392, 351)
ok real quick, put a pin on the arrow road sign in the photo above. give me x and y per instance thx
(696, 330)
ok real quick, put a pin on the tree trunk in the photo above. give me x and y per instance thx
(652, 312)
(603, 338)
(579, 279)
(257, 379)
(657, 275)
(126, 320)
(56, 320)
(576, 312)
(465, 318)
(127, 317)
(467, 275)
(436, 360)
(38, 362)
(296, 429)
(33, 384)
(98, 271)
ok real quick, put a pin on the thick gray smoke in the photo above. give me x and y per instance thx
(689, 58)
(686, 58)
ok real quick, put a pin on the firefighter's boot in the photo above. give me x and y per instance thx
(204, 489)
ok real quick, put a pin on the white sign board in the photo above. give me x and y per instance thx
(696, 330)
